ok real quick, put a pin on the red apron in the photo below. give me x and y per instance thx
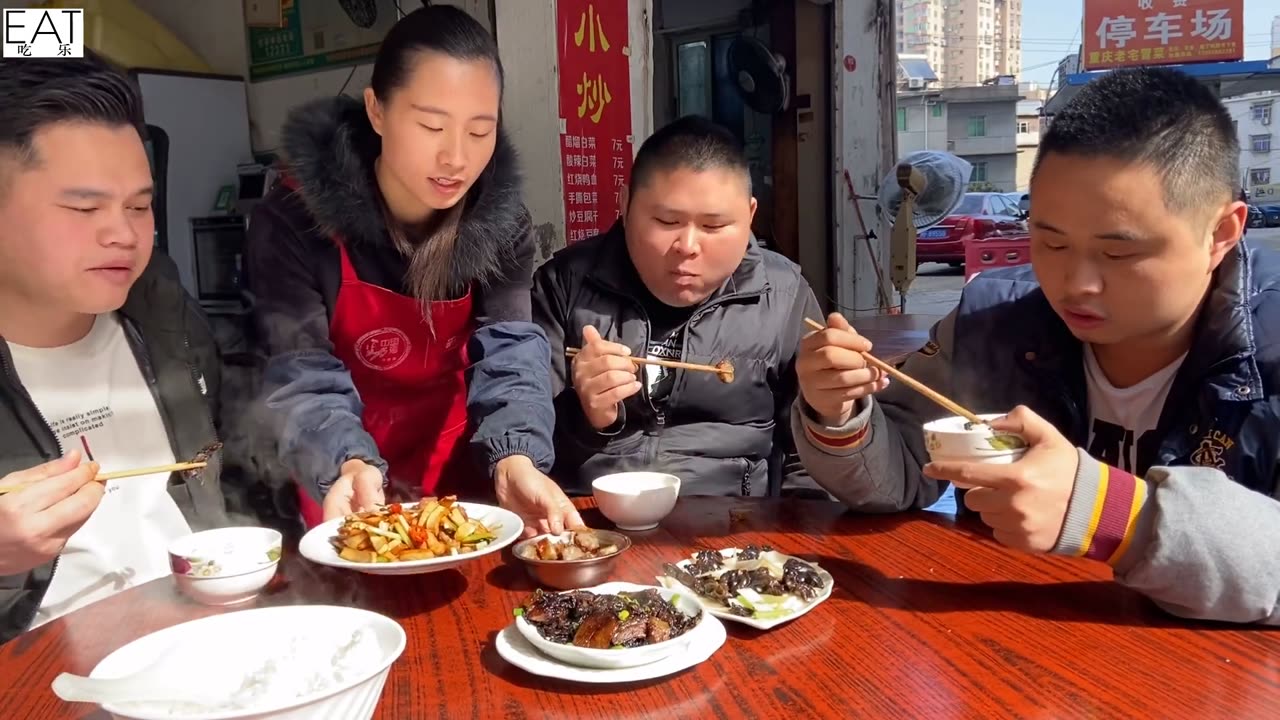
(412, 384)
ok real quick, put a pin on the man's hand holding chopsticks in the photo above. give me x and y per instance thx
(53, 501)
(603, 376)
(1025, 502)
(833, 373)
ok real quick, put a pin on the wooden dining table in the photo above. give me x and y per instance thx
(929, 618)
(895, 337)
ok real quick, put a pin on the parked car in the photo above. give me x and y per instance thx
(979, 216)
(1021, 199)
(1272, 214)
(1257, 218)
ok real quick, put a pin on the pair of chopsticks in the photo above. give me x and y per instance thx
(121, 474)
(724, 368)
(910, 382)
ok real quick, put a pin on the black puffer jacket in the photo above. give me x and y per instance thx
(309, 405)
(720, 439)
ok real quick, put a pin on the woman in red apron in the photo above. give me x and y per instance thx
(390, 272)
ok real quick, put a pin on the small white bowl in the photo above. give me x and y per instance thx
(951, 440)
(636, 500)
(225, 566)
(622, 657)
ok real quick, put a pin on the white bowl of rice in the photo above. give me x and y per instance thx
(279, 663)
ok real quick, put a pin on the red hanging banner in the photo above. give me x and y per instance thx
(595, 112)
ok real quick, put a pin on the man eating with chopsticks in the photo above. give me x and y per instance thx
(687, 329)
(105, 362)
(1141, 351)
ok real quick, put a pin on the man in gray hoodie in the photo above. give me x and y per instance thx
(1141, 350)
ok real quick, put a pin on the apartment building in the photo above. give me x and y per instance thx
(1007, 38)
(1030, 126)
(920, 32)
(1275, 36)
(980, 124)
(1257, 117)
(966, 41)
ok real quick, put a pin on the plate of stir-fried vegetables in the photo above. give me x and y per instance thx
(411, 538)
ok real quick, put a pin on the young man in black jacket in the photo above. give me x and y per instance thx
(105, 362)
(679, 277)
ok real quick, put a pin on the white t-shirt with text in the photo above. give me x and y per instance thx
(1121, 420)
(93, 395)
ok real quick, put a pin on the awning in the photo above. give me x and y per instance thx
(1228, 79)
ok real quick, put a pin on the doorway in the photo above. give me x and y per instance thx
(704, 85)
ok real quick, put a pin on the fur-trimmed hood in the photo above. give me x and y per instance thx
(329, 149)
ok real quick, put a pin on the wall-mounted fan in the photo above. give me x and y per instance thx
(364, 13)
(760, 75)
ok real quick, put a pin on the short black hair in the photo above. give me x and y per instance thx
(691, 142)
(40, 92)
(1158, 116)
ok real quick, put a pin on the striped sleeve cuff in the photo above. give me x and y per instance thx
(1103, 512)
(842, 440)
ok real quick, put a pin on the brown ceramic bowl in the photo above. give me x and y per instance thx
(573, 574)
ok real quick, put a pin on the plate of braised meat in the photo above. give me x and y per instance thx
(617, 625)
(755, 585)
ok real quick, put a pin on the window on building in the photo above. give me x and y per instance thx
(936, 110)
(1024, 126)
(1259, 176)
(978, 126)
(1261, 112)
(902, 119)
(1260, 143)
(979, 173)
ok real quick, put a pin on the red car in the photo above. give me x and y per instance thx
(979, 216)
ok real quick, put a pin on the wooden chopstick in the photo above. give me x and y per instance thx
(121, 474)
(663, 363)
(174, 467)
(910, 382)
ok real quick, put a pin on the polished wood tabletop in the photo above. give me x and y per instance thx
(894, 337)
(929, 619)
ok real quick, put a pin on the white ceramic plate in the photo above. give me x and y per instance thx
(704, 641)
(508, 526)
(623, 657)
(722, 611)
(232, 645)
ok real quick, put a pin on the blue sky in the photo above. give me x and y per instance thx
(1051, 30)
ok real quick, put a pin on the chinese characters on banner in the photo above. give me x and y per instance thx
(595, 109)
(1119, 33)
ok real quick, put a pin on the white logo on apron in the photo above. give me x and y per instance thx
(383, 349)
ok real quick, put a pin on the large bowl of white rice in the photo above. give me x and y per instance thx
(277, 663)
